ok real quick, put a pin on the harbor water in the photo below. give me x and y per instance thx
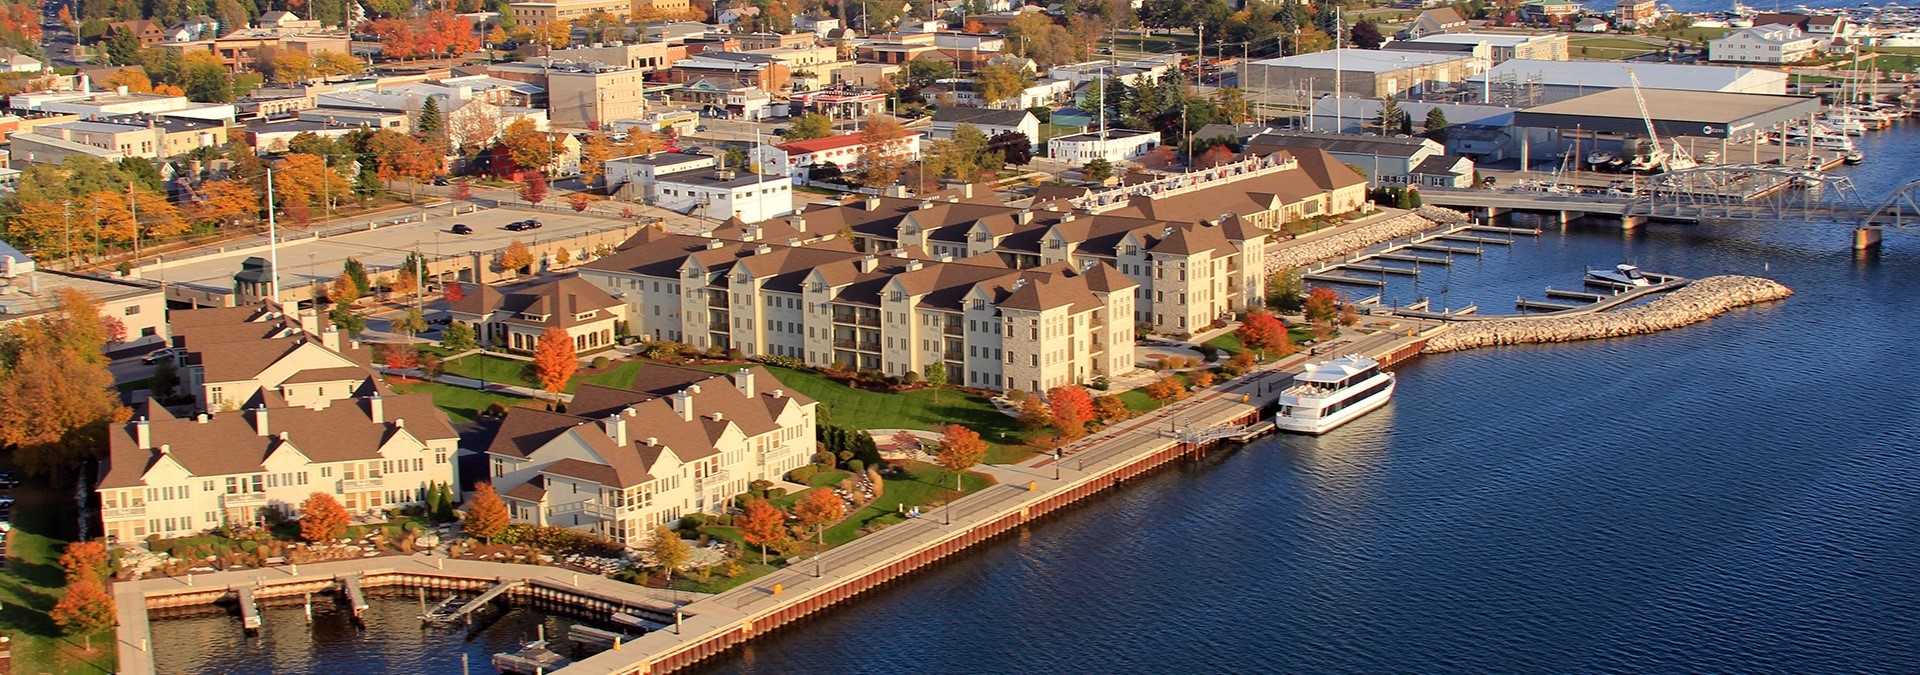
(1736, 496)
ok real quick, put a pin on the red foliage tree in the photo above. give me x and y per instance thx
(454, 292)
(1160, 158)
(535, 189)
(960, 448)
(1072, 409)
(322, 518)
(554, 359)
(579, 201)
(1263, 332)
(820, 508)
(1215, 156)
(1321, 306)
(462, 191)
(762, 525)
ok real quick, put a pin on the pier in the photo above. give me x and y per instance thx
(1575, 295)
(1542, 305)
(1476, 239)
(249, 611)
(1323, 277)
(1415, 259)
(356, 599)
(1381, 269)
(1443, 248)
(492, 594)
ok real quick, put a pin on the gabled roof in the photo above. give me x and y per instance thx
(231, 443)
(979, 116)
(560, 301)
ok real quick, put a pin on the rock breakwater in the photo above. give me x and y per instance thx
(1308, 250)
(1699, 301)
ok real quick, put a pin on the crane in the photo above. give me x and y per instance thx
(1658, 157)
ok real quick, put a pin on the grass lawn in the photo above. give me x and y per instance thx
(1229, 344)
(1692, 35)
(849, 407)
(490, 368)
(32, 582)
(818, 480)
(460, 403)
(619, 374)
(1137, 400)
(924, 484)
(1609, 48)
(717, 583)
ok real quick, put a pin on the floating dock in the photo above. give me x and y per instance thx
(1543, 306)
(249, 610)
(1343, 279)
(598, 639)
(1575, 295)
(498, 590)
(356, 599)
(1477, 240)
(1443, 248)
(1531, 231)
(1381, 269)
(1415, 259)
(532, 659)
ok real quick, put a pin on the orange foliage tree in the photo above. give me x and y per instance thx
(762, 525)
(960, 448)
(554, 359)
(486, 514)
(820, 508)
(84, 561)
(85, 609)
(1321, 306)
(1072, 409)
(1166, 389)
(1263, 332)
(322, 518)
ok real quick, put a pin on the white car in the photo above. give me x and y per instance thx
(157, 355)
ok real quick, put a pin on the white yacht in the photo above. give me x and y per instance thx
(1332, 393)
(1620, 274)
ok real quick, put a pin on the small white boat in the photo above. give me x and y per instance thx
(1620, 274)
(1856, 157)
(1600, 158)
(1331, 393)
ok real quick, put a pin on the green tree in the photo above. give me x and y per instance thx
(1285, 289)
(457, 337)
(809, 126)
(123, 49)
(431, 124)
(1436, 126)
(413, 323)
(1390, 118)
(1098, 169)
(670, 552)
(937, 378)
(143, 173)
(367, 185)
(358, 273)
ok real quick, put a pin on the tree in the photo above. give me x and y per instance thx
(960, 448)
(336, 63)
(809, 126)
(1215, 156)
(1321, 306)
(322, 518)
(670, 552)
(1097, 169)
(593, 157)
(84, 561)
(1162, 157)
(1034, 414)
(432, 124)
(1072, 408)
(1203, 378)
(291, 67)
(225, 202)
(454, 292)
(400, 156)
(937, 378)
(905, 438)
(762, 525)
(343, 291)
(462, 191)
(999, 82)
(820, 508)
(1390, 117)
(56, 394)
(883, 151)
(579, 201)
(85, 609)
(535, 189)
(1013, 147)
(527, 146)
(554, 359)
(1109, 408)
(486, 515)
(516, 257)
(1263, 332)
(414, 323)
(1436, 126)
(1284, 290)
(1366, 35)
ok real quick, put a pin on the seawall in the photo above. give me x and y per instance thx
(1309, 249)
(1699, 301)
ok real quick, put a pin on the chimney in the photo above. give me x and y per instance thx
(399, 423)
(713, 244)
(913, 265)
(1066, 217)
(141, 435)
(1023, 217)
(202, 418)
(86, 85)
(683, 404)
(376, 408)
(753, 233)
(793, 242)
(872, 204)
(779, 393)
(653, 440)
(260, 421)
(798, 223)
(966, 190)
(164, 449)
(743, 380)
(762, 249)
(867, 264)
(330, 337)
(616, 428)
(718, 417)
(926, 204)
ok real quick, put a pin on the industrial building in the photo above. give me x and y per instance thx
(1525, 83)
(1362, 72)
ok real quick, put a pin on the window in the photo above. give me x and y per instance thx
(132, 310)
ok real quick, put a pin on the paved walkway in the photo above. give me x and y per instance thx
(135, 636)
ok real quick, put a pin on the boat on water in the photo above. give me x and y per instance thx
(1331, 393)
(446, 612)
(1855, 157)
(1620, 274)
(1600, 158)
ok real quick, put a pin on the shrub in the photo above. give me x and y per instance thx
(759, 485)
(1101, 383)
(776, 492)
(801, 475)
(693, 521)
(1209, 352)
(1016, 395)
(600, 362)
(856, 466)
(495, 409)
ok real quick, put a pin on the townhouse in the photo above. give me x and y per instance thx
(282, 415)
(676, 441)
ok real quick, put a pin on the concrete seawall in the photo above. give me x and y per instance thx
(1310, 249)
(1699, 301)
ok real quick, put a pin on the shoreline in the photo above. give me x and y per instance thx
(1699, 301)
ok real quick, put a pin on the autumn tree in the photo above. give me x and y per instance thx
(85, 609)
(554, 359)
(809, 126)
(593, 157)
(1203, 378)
(84, 561)
(762, 525)
(322, 518)
(1072, 408)
(1285, 289)
(960, 448)
(1264, 333)
(883, 151)
(225, 202)
(516, 257)
(535, 189)
(818, 509)
(1215, 156)
(400, 156)
(289, 66)
(999, 82)
(670, 552)
(462, 191)
(343, 291)
(1321, 306)
(454, 291)
(1109, 409)
(1166, 389)
(486, 514)
(1034, 413)
(579, 201)
(56, 394)
(527, 146)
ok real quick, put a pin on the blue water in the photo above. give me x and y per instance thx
(1738, 496)
(1741, 496)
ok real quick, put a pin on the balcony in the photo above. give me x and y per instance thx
(712, 478)
(869, 320)
(952, 329)
(362, 485)
(124, 513)
(244, 499)
(956, 357)
(590, 508)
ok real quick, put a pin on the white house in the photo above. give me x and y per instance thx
(642, 171)
(725, 194)
(1114, 146)
(988, 121)
(1773, 44)
(795, 158)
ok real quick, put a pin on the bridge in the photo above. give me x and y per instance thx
(1721, 192)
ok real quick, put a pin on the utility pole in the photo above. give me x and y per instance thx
(273, 243)
(1339, 28)
(66, 216)
(133, 213)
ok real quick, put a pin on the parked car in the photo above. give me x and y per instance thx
(461, 228)
(158, 355)
(519, 226)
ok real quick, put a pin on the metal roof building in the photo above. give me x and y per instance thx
(1524, 83)
(1674, 113)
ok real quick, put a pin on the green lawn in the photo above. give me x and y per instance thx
(490, 368)
(460, 403)
(620, 374)
(849, 407)
(818, 480)
(31, 582)
(925, 484)
(1609, 48)
(1693, 36)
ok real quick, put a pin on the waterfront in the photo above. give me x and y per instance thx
(1728, 496)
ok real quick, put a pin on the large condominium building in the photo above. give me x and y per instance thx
(676, 441)
(286, 415)
(539, 13)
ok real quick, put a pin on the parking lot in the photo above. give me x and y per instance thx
(304, 259)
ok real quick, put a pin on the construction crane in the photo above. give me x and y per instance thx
(1657, 158)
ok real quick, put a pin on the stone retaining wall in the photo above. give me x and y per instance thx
(1697, 302)
(1308, 251)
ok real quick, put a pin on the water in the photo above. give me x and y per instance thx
(1736, 496)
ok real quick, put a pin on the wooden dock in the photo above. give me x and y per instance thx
(1382, 269)
(249, 610)
(1575, 295)
(1477, 240)
(1415, 259)
(1543, 306)
(1532, 231)
(356, 599)
(1443, 248)
(596, 638)
(498, 590)
(1343, 279)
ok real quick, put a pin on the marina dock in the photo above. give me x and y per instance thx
(492, 594)
(1542, 305)
(1575, 295)
(1323, 277)
(249, 610)
(356, 599)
